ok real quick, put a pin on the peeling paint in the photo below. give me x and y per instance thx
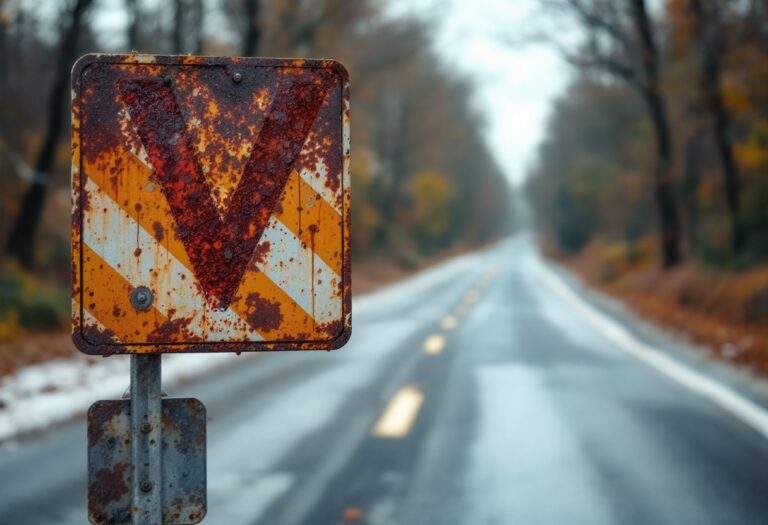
(203, 192)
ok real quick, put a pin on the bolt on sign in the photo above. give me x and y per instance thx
(210, 204)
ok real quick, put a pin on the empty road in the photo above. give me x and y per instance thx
(487, 391)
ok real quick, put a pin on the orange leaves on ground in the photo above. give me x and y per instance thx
(726, 311)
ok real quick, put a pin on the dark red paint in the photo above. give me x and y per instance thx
(220, 250)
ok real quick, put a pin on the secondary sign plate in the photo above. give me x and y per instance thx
(210, 204)
(110, 473)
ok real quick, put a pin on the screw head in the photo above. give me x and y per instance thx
(237, 77)
(146, 428)
(146, 486)
(141, 298)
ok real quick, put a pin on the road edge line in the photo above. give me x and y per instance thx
(744, 409)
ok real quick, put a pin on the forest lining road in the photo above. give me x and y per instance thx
(749, 412)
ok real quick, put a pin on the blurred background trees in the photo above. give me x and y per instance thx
(696, 136)
(424, 181)
(654, 156)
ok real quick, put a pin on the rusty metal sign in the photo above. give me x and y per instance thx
(111, 472)
(210, 204)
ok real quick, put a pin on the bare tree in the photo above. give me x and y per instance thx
(620, 42)
(21, 241)
(393, 134)
(311, 16)
(650, 87)
(252, 37)
(693, 151)
(707, 16)
(196, 26)
(301, 22)
(4, 23)
(187, 32)
(178, 27)
(133, 10)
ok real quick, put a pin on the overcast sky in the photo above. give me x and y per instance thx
(515, 85)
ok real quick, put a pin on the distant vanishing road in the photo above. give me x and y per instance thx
(487, 391)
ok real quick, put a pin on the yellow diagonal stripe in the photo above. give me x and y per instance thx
(106, 296)
(309, 216)
(136, 193)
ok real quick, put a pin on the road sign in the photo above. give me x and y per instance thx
(182, 497)
(210, 204)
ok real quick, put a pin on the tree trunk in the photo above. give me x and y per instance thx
(396, 153)
(198, 20)
(710, 52)
(21, 242)
(3, 52)
(310, 18)
(177, 36)
(664, 187)
(253, 29)
(134, 19)
(691, 178)
(669, 222)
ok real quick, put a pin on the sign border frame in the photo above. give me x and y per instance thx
(107, 347)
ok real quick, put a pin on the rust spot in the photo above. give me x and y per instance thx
(333, 328)
(173, 330)
(261, 252)
(79, 203)
(97, 337)
(263, 315)
(98, 419)
(110, 484)
(159, 231)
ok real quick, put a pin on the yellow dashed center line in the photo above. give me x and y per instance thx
(434, 344)
(400, 414)
(486, 279)
(472, 296)
(449, 322)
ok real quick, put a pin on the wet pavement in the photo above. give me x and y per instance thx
(471, 394)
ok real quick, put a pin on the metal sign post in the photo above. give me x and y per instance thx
(210, 213)
(146, 439)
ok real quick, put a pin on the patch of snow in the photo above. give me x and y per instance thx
(38, 396)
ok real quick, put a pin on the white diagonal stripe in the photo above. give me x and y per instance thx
(316, 179)
(175, 287)
(289, 264)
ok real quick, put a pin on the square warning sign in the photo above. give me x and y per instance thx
(210, 204)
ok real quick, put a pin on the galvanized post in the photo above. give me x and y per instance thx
(146, 434)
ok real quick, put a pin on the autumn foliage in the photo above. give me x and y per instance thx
(595, 193)
(594, 175)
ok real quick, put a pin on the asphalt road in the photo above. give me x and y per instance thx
(473, 394)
